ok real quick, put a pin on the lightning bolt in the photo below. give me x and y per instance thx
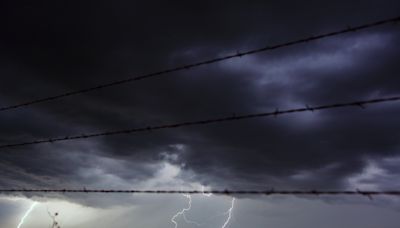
(189, 207)
(26, 214)
(229, 213)
(182, 212)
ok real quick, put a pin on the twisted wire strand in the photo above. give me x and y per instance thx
(277, 112)
(216, 192)
(201, 63)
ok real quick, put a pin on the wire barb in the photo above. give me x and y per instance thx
(366, 194)
(207, 121)
(201, 63)
(309, 108)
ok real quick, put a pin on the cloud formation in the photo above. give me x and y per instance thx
(52, 47)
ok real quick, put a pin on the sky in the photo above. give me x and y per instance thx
(52, 47)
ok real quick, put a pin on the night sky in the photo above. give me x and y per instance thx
(53, 47)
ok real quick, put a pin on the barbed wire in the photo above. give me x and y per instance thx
(201, 63)
(216, 192)
(277, 112)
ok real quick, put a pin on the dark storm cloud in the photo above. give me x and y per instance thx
(49, 47)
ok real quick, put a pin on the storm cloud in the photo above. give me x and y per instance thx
(52, 47)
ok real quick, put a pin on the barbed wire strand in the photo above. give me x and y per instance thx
(277, 112)
(201, 63)
(216, 192)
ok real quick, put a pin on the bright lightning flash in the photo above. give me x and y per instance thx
(229, 213)
(182, 212)
(26, 214)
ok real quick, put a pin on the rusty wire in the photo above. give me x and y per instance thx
(201, 63)
(277, 112)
